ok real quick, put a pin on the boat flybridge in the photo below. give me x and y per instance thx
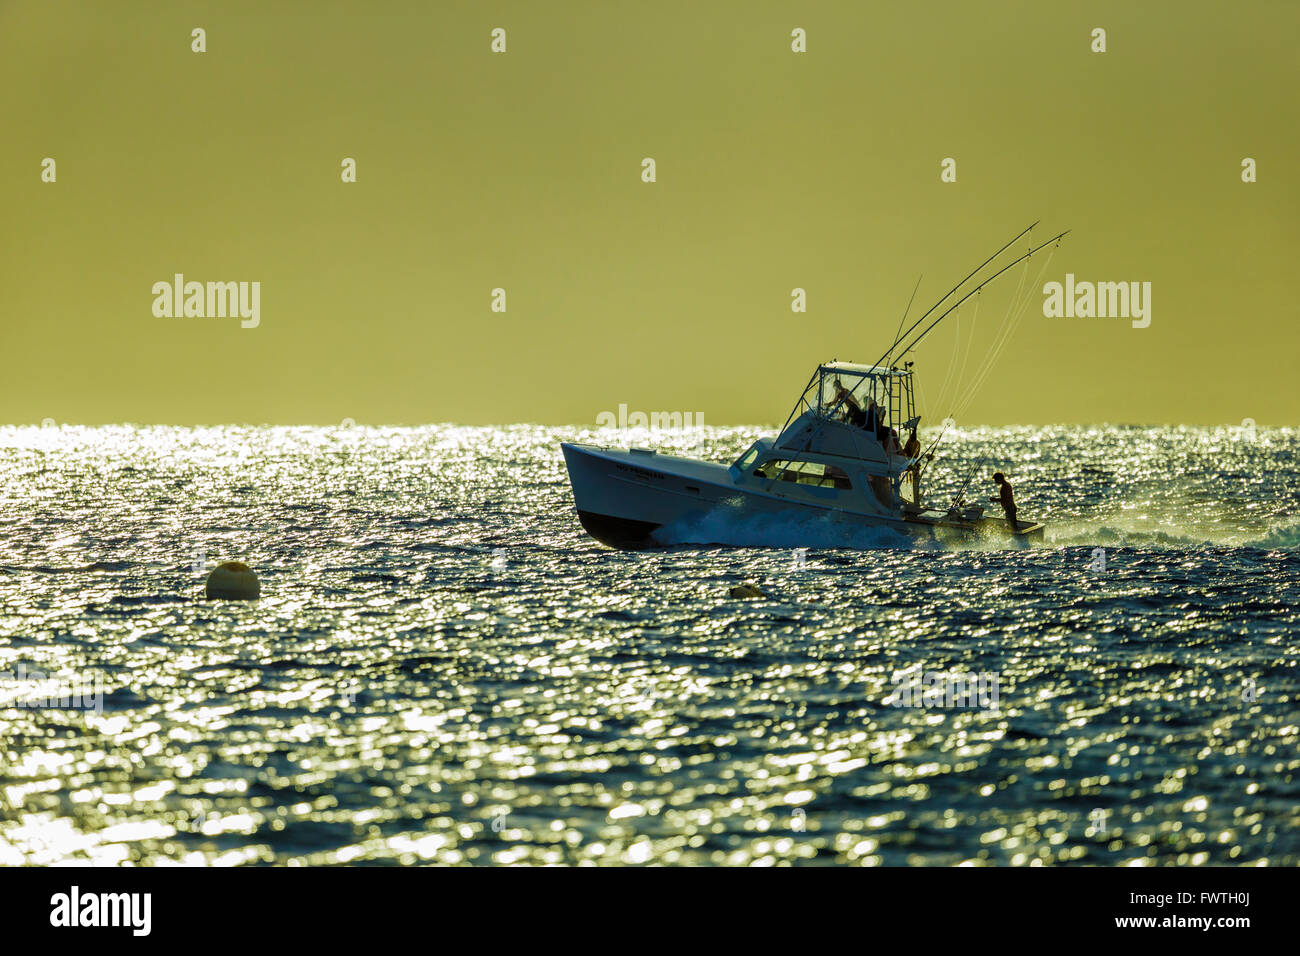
(846, 454)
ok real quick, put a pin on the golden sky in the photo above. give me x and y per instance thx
(523, 171)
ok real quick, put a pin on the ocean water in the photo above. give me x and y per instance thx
(443, 668)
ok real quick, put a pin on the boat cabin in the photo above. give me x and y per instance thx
(863, 412)
(844, 434)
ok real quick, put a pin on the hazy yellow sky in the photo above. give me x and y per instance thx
(522, 171)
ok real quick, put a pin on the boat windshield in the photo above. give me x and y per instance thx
(846, 391)
(860, 392)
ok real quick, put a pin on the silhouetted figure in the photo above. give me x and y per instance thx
(1006, 499)
(853, 413)
(911, 450)
(881, 429)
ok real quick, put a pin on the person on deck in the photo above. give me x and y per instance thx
(1006, 499)
(883, 431)
(871, 419)
(911, 450)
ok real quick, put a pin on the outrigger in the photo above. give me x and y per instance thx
(836, 458)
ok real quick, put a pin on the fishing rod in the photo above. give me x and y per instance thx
(985, 366)
(926, 331)
(818, 428)
(961, 492)
(952, 308)
(973, 272)
(925, 458)
(929, 452)
(905, 311)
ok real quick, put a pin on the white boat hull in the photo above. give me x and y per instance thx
(628, 498)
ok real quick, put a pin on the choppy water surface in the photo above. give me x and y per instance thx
(444, 668)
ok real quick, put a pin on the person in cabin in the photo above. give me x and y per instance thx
(911, 450)
(883, 431)
(871, 421)
(852, 410)
(1006, 499)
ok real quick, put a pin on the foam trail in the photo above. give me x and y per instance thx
(1169, 532)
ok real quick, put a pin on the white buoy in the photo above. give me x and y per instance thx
(233, 581)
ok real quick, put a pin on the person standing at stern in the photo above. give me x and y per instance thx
(1005, 498)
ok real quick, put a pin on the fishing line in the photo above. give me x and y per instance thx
(990, 357)
(970, 341)
(1010, 329)
(952, 364)
(999, 337)
(950, 293)
(905, 311)
(952, 308)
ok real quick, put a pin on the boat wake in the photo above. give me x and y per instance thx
(736, 528)
(1174, 534)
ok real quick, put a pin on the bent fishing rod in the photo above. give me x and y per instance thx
(813, 433)
(961, 492)
(929, 454)
(905, 311)
(947, 312)
(972, 273)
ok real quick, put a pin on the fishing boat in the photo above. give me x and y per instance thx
(840, 457)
